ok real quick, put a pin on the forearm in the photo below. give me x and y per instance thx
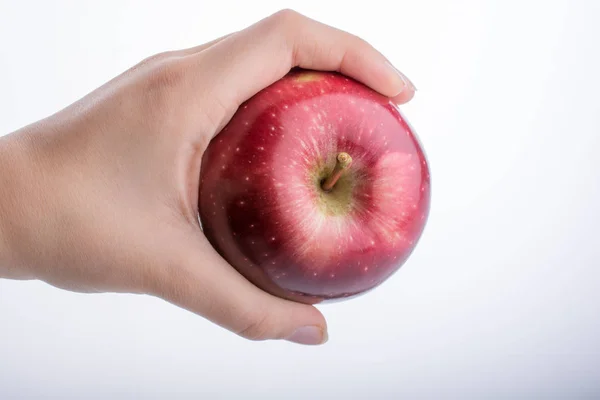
(14, 175)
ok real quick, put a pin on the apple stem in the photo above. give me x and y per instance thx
(343, 162)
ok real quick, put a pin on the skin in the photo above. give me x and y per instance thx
(102, 196)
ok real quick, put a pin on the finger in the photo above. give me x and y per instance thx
(202, 47)
(267, 50)
(404, 97)
(202, 282)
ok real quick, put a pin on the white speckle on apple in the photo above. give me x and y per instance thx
(246, 123)
(315, 274)
(372, 242)
(261, 148)
(272, 238)
(422, 188)
(251, 225)
(222, 167)
(241, 202)
(365, 269)
(273, 262)
(305, 108)
(237, 149)
(272, 128)
(285, 106)
(273, 115)
(247, 178)
(332, 275)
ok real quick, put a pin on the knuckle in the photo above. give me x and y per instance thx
(158, 91)
(166, 74)
(287, 18)
(155, 58)
(286, 25)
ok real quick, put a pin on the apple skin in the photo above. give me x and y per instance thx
(262, 207)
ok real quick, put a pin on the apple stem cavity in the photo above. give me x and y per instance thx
(343, 161)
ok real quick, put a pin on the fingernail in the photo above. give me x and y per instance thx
(310, 335)
(406, 82)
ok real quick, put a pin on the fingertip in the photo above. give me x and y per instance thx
(403, 97)
(311, 335)
(399, 81)
(309, 326)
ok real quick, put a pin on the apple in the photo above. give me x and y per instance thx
(316, 190)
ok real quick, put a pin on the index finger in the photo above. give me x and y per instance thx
(252, 59)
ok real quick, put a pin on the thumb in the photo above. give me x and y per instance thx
(201, 281)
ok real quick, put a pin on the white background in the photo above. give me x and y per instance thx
(499, 300)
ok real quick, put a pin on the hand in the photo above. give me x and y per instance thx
(102, 196)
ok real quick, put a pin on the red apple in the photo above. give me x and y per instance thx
(317, 189)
